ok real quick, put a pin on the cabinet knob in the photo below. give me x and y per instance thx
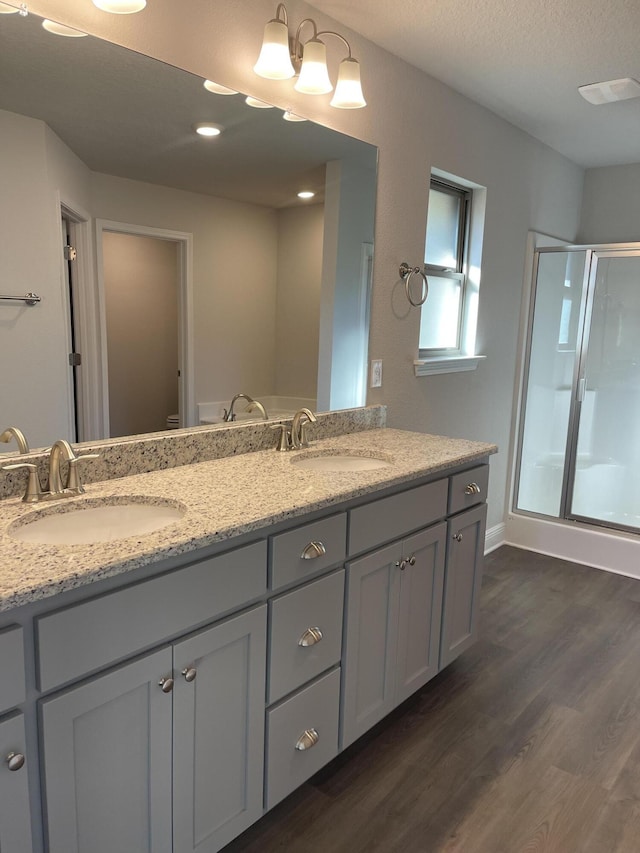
(457, 537)
(412, 560)
(166, 684)
(401, 564)
(15, 760)
(472, 489)
(189, 673)
(307, 739)
(310, 637)
(313, 550)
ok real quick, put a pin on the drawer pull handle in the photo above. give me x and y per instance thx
(457, 537)
(472, 489)
(166, 684)
(313, 550)
(189, 673)
(310, 637)
(15, 760)
(307, 739)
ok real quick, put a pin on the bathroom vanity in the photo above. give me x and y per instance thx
(161, 692)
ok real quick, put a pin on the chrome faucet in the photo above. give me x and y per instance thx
(21, 441)
(229, 415)
(301, 419)
(55, 487)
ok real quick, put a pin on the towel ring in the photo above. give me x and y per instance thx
(405, 274)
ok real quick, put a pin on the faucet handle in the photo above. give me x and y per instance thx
(34, 490)
(74, 483)
(284, 439)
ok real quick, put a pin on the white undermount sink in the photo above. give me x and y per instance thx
(90, 521)
(340, 461)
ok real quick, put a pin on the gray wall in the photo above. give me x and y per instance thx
(611, 205)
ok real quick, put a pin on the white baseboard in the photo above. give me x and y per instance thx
(613, 551)
(494, 537)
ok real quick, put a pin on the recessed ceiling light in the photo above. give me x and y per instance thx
(610, 90)
(5, 9)
(306, 194)
(259, 105)
(210, 86)
(208, 129)
(120, 7)
(61, 30)
(289, 116)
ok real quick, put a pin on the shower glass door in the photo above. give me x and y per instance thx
(604, 469)
(552, 369)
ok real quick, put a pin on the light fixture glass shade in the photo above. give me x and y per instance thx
(289, 116)
(5, 9)
(120, 7)
(257, 104)
(314, 77)
(348, 94)
(211, 86)
(61, 30)
(274, 61)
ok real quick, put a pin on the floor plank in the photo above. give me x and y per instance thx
(529, 743)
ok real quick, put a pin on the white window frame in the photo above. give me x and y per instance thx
(463, 357)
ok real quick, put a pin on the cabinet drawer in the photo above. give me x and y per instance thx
(313, 710)
(468, 488)
(12, 690)
(296, 655)
(294, 555)
(91, 635)
(395, 516)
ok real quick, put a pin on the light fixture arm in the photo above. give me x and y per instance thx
(285, 17)
(296, 50)
(338, 36)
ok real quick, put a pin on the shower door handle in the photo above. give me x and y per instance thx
(582, 386)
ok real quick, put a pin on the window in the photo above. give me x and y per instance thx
(454, 237)
(441, 322)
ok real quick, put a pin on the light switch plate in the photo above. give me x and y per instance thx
(376, 373)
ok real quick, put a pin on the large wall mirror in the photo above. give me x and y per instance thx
(195, 272)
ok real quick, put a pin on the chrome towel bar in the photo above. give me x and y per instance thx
(29, 298)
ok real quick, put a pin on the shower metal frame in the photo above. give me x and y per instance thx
(592, 253)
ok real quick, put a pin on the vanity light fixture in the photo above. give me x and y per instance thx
(61, 30)
(120, 7)
(217, 89)
(259, 105)
(306, 194)
(282, 57)
(208, 129)
(287, 115)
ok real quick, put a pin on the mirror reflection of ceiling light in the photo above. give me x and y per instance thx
(208, 129)
(282, 57)
(61, 30)
(259, 105)
(217, 89)
(120, 7)
(289, 116)
(306, 194)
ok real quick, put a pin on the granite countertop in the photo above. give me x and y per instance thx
(221, 499)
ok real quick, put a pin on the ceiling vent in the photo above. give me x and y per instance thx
(610, 90)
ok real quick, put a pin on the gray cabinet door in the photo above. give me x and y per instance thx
(107, 762)
(219, 732)
(15, 823)
(420, 612)
(371, 627)
(463, 578)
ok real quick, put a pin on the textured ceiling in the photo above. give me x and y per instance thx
(522, 59)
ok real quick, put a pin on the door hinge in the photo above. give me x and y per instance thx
(75, 359)
(70, 253)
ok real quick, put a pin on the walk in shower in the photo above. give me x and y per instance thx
(579, 439)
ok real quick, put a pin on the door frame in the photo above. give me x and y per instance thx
(184, 241)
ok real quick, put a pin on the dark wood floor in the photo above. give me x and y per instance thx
(529, 742)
